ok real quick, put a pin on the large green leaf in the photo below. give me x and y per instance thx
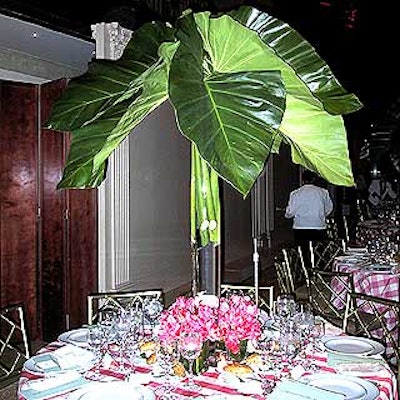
(107, 82)
(305, 111)
(232, 116)
(106, 120)
(295, 51)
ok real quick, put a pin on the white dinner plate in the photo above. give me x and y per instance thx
(112, 390)
(353, 388)
(353, 345)
(78, 337)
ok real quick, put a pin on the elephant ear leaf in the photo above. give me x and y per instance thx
(312, 123)
(89, 96)
(102, 127)
(302, 57)
(231, 116)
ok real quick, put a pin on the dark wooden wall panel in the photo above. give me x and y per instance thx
(83, 252)
(53, 256)
(18, 238)
(48, 258)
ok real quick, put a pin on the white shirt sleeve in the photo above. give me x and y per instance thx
(289, 209)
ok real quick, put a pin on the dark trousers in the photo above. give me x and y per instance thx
(302, 238)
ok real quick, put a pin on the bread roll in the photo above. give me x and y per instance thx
(238, 369)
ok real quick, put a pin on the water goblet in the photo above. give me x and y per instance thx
(96, 341)
(152, 309)
(316, 331)
(168, 356)
(189, 346)
(285, 306)
(122, 327)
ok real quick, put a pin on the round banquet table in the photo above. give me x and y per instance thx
(210, 383)
(383, 284)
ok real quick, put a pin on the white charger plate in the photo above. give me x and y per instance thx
(78, 337)
(112, 390)
(353, 388)
(353, 345)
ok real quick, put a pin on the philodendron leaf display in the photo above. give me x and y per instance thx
(231, 115)
(240, 83)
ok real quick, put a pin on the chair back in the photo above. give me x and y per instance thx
(99, 304)
(14, 343)
(328, 293)
(363, 210)
(263, 296)
(283, 275)
(378, 319)
(323, 253)
(332, 229)
(292, 275)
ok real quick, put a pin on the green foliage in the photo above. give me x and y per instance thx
(240, 83)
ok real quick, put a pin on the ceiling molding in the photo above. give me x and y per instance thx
(35, 54)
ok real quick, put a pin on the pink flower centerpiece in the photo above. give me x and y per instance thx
(230, 321)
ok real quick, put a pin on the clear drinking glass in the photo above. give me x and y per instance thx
(189, 346)
(285, 306)
(168, 356)
(96, 341)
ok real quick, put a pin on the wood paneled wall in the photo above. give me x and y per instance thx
(48, 237)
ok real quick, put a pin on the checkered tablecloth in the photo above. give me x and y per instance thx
(210, 382)
(373, 283)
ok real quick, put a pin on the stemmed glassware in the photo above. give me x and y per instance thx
(122, 327)
(168, 356)
(96, 341)
(189, 346)
(285, 306)
(152, 309)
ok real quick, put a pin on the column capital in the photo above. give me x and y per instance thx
(111, 39)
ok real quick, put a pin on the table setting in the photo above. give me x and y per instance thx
(208, 347)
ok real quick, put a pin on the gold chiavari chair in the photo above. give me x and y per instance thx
(291, 272)
(263, 296)
(14, 343)
(324, 297)
(323, 253)
(378, 319)
(100, 304)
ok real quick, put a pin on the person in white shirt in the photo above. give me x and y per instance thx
(309, 206)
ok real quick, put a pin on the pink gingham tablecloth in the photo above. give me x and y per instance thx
(372, 283)
(211, 383)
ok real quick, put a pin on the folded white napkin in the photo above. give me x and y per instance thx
(139, 379)
(64, 358)
(243, 385)
(51, 386)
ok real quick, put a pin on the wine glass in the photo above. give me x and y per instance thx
(152, 309)
(122, 328)
(285, 306)
(168, 356)
(190, 345)
(96, 341)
